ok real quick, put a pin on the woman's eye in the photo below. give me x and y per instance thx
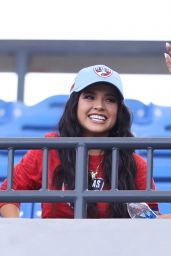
(88, 97)
(113, 100)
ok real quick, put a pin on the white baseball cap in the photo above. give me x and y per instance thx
(95, 74)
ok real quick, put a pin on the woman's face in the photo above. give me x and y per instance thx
(97, 110)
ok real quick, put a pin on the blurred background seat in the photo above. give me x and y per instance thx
(36, 120)
(141, 113)
(37, 211)
(5, 111)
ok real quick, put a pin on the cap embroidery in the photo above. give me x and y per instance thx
(103, 71)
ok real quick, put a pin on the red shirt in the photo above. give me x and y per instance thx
(28, 173)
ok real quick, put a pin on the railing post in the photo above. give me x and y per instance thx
(149, 167)
(80, 181)
(21, 60)
(45, 169)
(10, 168)
(114, 178)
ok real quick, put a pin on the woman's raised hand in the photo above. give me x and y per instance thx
(168, 56)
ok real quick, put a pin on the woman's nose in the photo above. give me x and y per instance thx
(98, 105)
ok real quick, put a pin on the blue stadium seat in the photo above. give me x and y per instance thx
(141, 113)
(160, 125)
(155, 129)
(161, 164)
(166, 206)
(162, 117)
(26, 210)
(5, 111)
(162, 113)
(55, 101)
(36, 120)
(52, 106)
(11, 110)
(3, 166)
(24, 129)
(162, 168)
(37, 211)
(149, 120)
(4, 161)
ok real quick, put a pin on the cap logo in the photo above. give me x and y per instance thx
(103, 71)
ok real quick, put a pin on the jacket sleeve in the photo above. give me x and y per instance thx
(141, 174)
(27, 173)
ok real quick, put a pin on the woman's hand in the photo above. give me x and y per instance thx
(164, 216)
(168, 56)
(9, 211)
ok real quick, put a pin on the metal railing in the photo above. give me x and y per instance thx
(81, 195)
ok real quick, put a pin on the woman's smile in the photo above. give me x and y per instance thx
(97, 118)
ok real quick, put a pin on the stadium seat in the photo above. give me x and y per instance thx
(4, 161)
(149, 120)
(162, 116)
(141, 113)
(52, 106)
(5, 111)
(26, 210)
(36, 120)
(164, 207)
(37, 211)
(55, 101)
(161, 164)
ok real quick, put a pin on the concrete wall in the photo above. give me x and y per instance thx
(83, 237)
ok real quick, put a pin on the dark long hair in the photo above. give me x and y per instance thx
(65, 173)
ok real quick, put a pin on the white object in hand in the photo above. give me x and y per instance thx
(140, 210)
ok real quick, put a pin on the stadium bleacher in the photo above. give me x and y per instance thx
(31, 121)
(142, 114)
(6, 111)
(19, 120)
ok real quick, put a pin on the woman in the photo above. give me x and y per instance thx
(95, 109)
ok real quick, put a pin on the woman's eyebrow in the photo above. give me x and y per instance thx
(110, 94)
(89, 91)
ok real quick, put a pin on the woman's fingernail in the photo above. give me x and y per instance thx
(167, 45)
(166, 55)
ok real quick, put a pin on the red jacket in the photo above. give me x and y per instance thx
(27, 176)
